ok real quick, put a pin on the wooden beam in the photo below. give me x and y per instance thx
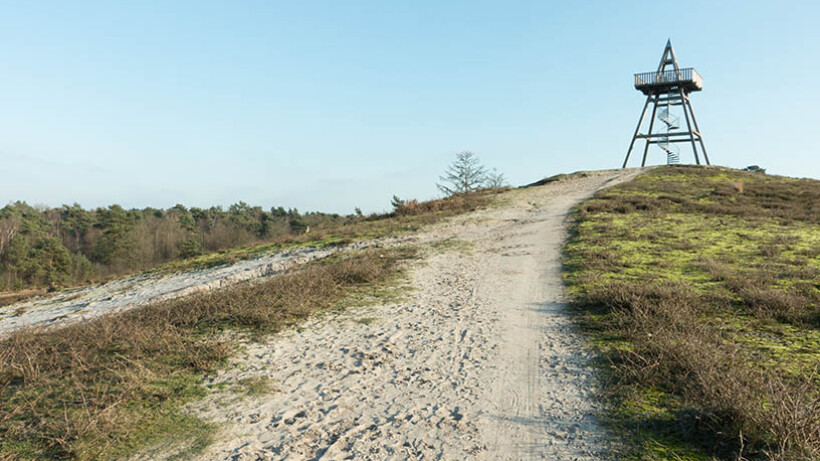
(637, 130)
(660, 135)
(697, 130)
(689, 127)
(651, 124)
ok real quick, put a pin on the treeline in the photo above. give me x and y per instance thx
(55, 247)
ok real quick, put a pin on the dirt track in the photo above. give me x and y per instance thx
(480, 362)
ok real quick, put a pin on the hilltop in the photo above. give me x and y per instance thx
(699, 287)
(664, 313)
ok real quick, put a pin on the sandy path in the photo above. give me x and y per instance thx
(480, 362)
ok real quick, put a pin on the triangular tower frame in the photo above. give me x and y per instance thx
(669, 87)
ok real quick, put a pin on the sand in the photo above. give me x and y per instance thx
(478, 361)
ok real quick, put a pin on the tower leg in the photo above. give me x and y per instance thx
(651, 125)
(697, 128)
(689, 127)
(637, 130)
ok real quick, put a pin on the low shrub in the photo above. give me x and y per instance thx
(696, 286)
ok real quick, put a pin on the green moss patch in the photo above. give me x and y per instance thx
(699, 288)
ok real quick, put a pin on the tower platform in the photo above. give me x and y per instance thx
(687, 79)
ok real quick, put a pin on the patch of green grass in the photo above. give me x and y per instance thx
(452, 244)
(392, 291)
(367, 320)
(773, 345)
(258, 386)
(699, 288)
(174, 434)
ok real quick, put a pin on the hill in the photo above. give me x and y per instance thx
(696, 287)
(450, 342)
(699, 287)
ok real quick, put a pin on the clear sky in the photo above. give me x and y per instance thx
(338, 104)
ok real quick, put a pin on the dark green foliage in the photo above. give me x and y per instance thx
(396, 202)
(297, 225)
(115, 245)
(45, 248)
(65, 246)
(755, 169)
(43, 262)
(185, 218)
(189, 248)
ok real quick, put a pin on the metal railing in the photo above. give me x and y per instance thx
(670, 76)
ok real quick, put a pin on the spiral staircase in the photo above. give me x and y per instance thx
(671, 121)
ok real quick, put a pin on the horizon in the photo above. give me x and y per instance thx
(268, 208)
(327, 107)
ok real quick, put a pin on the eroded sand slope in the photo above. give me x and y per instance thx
(87, 303)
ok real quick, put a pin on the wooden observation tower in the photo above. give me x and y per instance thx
(665, 89)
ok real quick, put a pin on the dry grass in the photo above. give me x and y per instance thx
(457, 203)
(103, 388)
(707, 321)
(409, 217)
(12, 297)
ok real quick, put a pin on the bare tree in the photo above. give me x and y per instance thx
(466, 174)
(8, 229)
(495, 178)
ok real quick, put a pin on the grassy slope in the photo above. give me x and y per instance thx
(109, 387)
(699, 286)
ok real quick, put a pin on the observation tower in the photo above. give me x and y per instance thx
(667, 89)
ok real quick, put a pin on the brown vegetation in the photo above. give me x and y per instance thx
(700, 288)
(454, 203)
(99, 389)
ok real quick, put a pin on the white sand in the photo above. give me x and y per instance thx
(480, 362)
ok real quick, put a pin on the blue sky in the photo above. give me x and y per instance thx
(335, 105)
